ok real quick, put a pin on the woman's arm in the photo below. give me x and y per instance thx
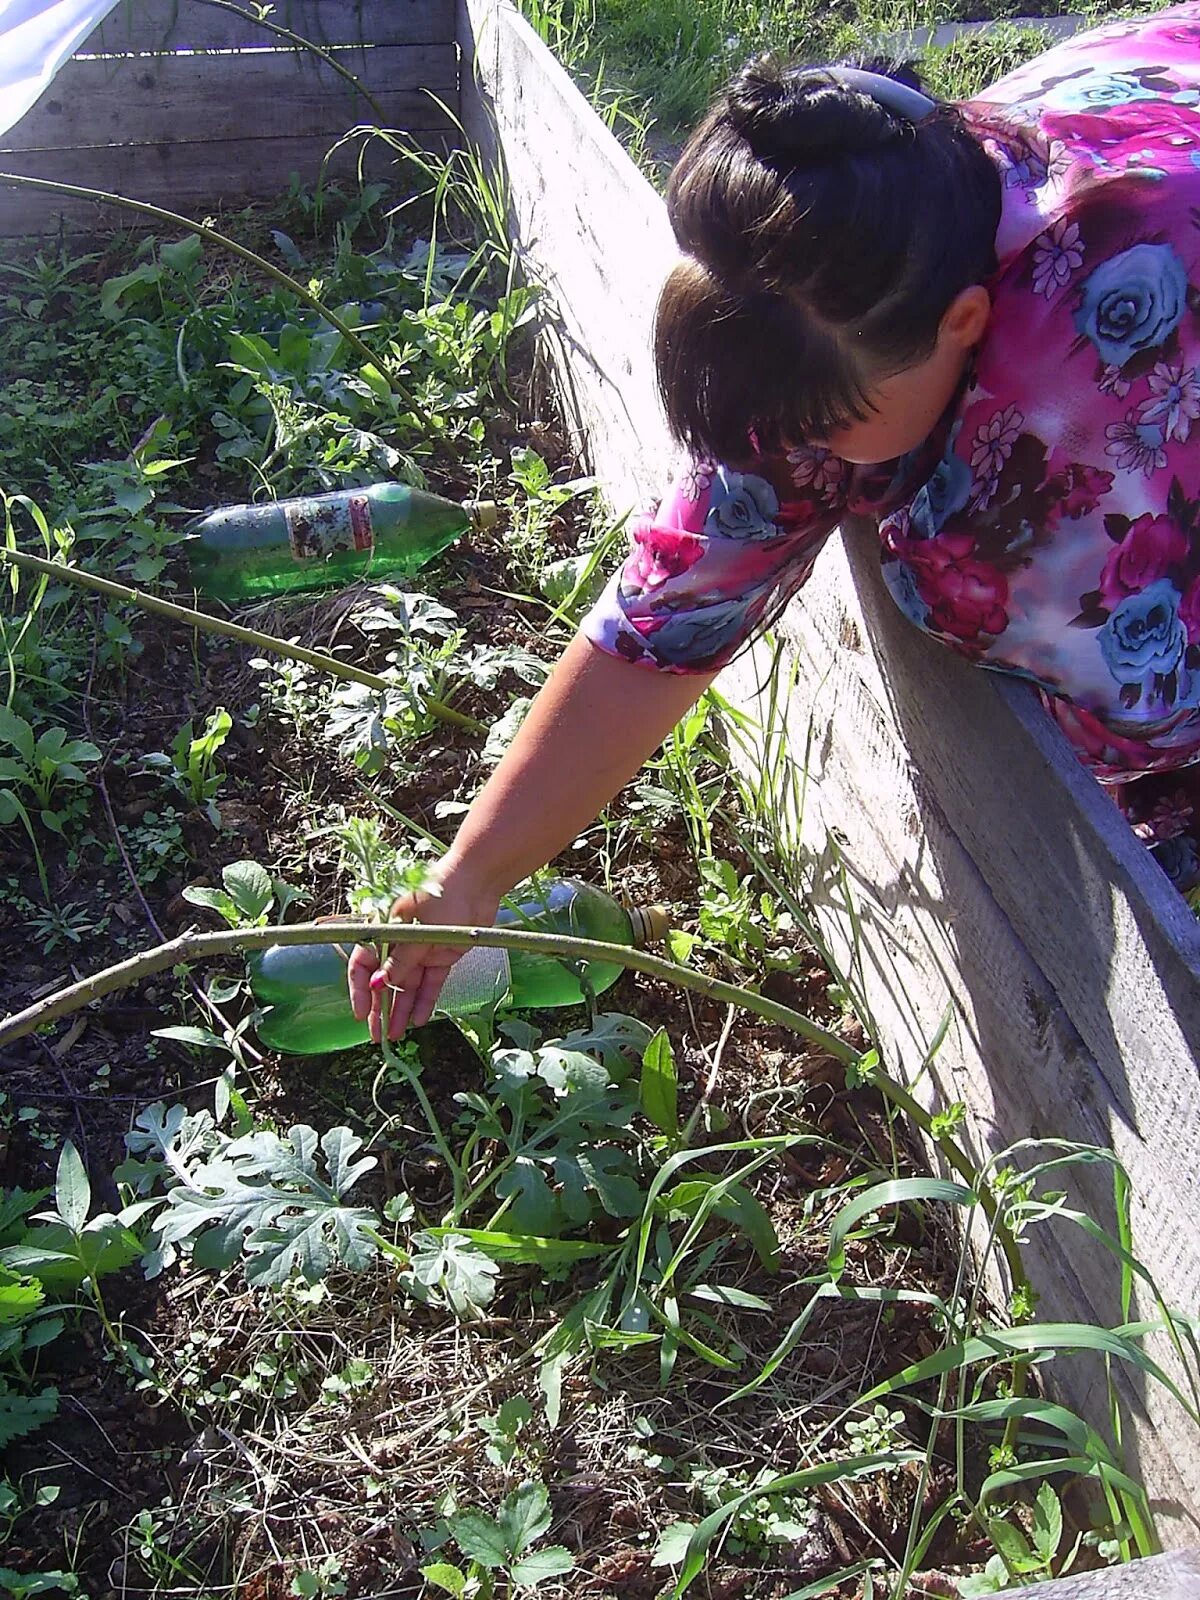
(594, 723)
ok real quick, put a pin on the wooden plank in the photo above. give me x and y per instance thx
(596, 238)
(173, 99)
(988, 869)
(195, 179)
(910, 41)
(1175, 1576)
(155, 25)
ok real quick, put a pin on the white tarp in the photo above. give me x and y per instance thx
(36, 37)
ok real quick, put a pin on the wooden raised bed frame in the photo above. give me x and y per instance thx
(990, 875)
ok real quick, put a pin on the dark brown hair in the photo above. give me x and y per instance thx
(824, 238)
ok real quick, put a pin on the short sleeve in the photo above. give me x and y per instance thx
(713, 564)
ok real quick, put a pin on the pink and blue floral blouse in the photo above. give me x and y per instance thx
(1051, 528)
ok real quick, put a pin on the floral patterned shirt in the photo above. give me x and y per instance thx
(1051, 527)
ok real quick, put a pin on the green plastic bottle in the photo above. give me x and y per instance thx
(387, 530)
(308, 1011)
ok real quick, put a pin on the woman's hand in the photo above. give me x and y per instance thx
(593, 723)
(405, 987)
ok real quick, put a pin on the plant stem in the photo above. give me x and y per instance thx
(212, 236)
(230, 630)
(413, 1080)
(194, 946)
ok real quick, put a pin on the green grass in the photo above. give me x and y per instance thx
(662, 61)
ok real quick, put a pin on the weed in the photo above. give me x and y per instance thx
(502, 1545)
(36, 774)
(191, 763)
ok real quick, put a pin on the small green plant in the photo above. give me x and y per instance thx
(504, 1429)
(533, 507)
(40, 768)
(324, 1580)
(191, 763)
(760, 1516)
(156, 843)
(46, 1258)
(378, 872)
(42, 765)
(249, 895)
(1023, 1554)
(502, 1546)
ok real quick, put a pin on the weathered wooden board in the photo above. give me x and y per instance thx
(201, 98)
(195, 179)
(265, 94)
(1171, 1577)
(141, 25)
(988, 871)
(909, 41)
(595, 236)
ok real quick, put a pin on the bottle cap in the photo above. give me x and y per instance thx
(649, 923)
(483, 514)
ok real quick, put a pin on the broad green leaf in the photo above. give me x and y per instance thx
(607, 1171)
(897, 1191)
(1012, 1545)
(18, 1299)
(535, 1568)
(672, 1544)
(11, 810)
(265, 1196)
(215, 899)
(249, 887)
(62, 1259)
(183, 254)
(457, 1267)
(72, 1191)
(447, 1578)
(79, 752)
(523, 1517)
(613, 1037)
(480, 1537)
(16, 731)
(1047, 1523)
(534, 1209)
(659, 1093)
(15, 1206)
(43, 1332)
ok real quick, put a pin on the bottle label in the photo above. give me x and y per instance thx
(320, 528)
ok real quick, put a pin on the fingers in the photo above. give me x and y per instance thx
(364, 961)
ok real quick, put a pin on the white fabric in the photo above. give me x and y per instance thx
(36, 37)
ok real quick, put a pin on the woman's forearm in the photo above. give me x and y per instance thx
(593, 724)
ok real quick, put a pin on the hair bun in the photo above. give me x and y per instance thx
(806, 114)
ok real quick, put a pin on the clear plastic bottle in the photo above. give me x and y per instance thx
(387, 530)
(308, 1011)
